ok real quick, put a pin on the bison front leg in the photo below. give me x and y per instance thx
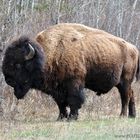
(127, 99)
(62, 111)
(75, 98)
(62, 104)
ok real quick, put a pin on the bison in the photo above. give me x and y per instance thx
(66, 58)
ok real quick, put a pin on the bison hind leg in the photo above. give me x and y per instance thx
(127, 99)
(132, 111)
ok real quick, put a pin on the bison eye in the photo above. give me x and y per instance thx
(18, 66)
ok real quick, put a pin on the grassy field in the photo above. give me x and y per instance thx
(101, 129)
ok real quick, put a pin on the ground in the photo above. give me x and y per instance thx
(101, 129)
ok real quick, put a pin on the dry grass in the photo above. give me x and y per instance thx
(34, 118)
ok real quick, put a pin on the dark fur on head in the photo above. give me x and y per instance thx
(15, 66)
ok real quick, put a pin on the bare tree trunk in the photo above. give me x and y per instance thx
(131, 19)
(138, 39)
(55, 11)
(58, 14)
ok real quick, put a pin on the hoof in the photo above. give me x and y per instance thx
(72, 117)
(62, 117)
(132, 116)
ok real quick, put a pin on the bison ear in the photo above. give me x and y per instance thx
(31, 53)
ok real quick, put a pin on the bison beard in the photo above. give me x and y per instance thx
(20, 91)
(69, 58)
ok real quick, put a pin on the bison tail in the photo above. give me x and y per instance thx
(138, 69)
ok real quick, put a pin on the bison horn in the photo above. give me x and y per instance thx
(31, 53)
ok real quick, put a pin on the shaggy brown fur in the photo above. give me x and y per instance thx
(74, 49)
(77, 57)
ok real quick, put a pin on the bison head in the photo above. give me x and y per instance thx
(23, 59)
